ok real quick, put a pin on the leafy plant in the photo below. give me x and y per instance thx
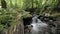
(6, 17)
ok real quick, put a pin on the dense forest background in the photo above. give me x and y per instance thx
(13, 11)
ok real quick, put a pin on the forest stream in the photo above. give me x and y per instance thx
(30, 17)
(40, 27)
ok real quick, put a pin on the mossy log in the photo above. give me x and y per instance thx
(17, 29)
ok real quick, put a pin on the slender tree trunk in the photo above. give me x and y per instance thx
(32, 3)
(3, 4)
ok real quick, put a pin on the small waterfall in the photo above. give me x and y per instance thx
(38, 26)
(34, 19)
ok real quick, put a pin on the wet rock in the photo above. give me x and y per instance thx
(27, 21)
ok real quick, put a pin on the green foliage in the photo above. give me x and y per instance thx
(25, 4)
(14, 3)
(6, 17)
(40, 3)
(1, 27)
(15, 8)
(25, 14)
(10, 16)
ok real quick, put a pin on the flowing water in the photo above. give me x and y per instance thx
(39, 27)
